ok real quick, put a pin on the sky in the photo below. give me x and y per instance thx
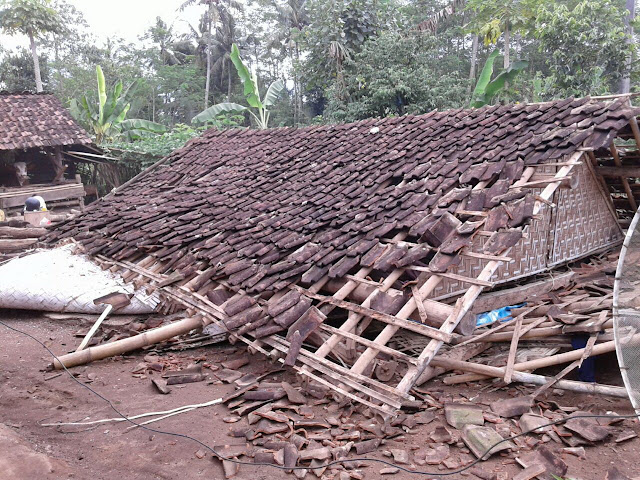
(124, 18)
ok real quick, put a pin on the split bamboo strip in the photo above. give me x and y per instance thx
(513, 348)
(383, 317)
(405, 312)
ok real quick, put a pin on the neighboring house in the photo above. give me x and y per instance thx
(399, 220)
(41, 148)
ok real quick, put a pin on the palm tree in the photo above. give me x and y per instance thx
(222, 43)
(212, 15)
(161, 35)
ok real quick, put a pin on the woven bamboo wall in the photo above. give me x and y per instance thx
(580, 224)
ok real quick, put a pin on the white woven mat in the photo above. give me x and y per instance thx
(58, 280)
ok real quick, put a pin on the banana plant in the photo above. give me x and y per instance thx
(486, 89)
(107, 118)
(257, 107)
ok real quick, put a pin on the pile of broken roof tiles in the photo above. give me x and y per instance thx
(31, 121)
(264, 210)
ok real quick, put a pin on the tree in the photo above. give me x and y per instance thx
(291, 17)
(625, 84)
(493, 18)
(585, 47)
(217, 12)
(395, 74)
(107, 117)
(258, 107)
(32, 18)
(16, 71)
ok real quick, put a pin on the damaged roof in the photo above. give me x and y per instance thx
(265, 209)
(37, 120)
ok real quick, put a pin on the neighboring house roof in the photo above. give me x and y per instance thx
(37, 120)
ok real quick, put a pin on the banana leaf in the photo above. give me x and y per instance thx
(248, 80)
(508, 75)
(142, 125)
(483, 80)
(273, 92)
(210, 114)
(102, 93)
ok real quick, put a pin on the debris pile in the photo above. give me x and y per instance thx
(272, 419)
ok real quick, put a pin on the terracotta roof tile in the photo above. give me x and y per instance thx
(30, 121)
(271, 208)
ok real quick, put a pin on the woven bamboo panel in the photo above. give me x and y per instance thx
(580, 224)
(582, 221)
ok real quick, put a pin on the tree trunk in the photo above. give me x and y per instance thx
(229, 81)
(36, 62)
(208, 80)
(625, 82)
(474, 60)
(507, 45)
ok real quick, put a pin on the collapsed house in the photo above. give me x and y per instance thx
(320, 246)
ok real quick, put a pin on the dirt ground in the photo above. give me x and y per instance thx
(30, 396)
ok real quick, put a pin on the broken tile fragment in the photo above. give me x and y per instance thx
(230, 468)
(400, 456)
(293, 395)
(441, 435)
(590, 431)
(530, 422)
(532, 471)
(512, 407)
(433, 456)
(236, 363)
(228, 375)
(458, 415)
(554, 465)
(389, 471)
(577, 451)
(367, 446)
(483, 441)
(161, 386)
(625, 435)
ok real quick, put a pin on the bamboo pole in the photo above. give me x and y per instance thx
(523, 377)
(481, 372)
(16, 232)
(129, 344)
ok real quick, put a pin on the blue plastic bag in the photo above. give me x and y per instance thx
(501, 314)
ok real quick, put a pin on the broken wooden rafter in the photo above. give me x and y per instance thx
(453, 276)
(383, 317)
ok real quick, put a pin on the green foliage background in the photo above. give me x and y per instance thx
(340, 60)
